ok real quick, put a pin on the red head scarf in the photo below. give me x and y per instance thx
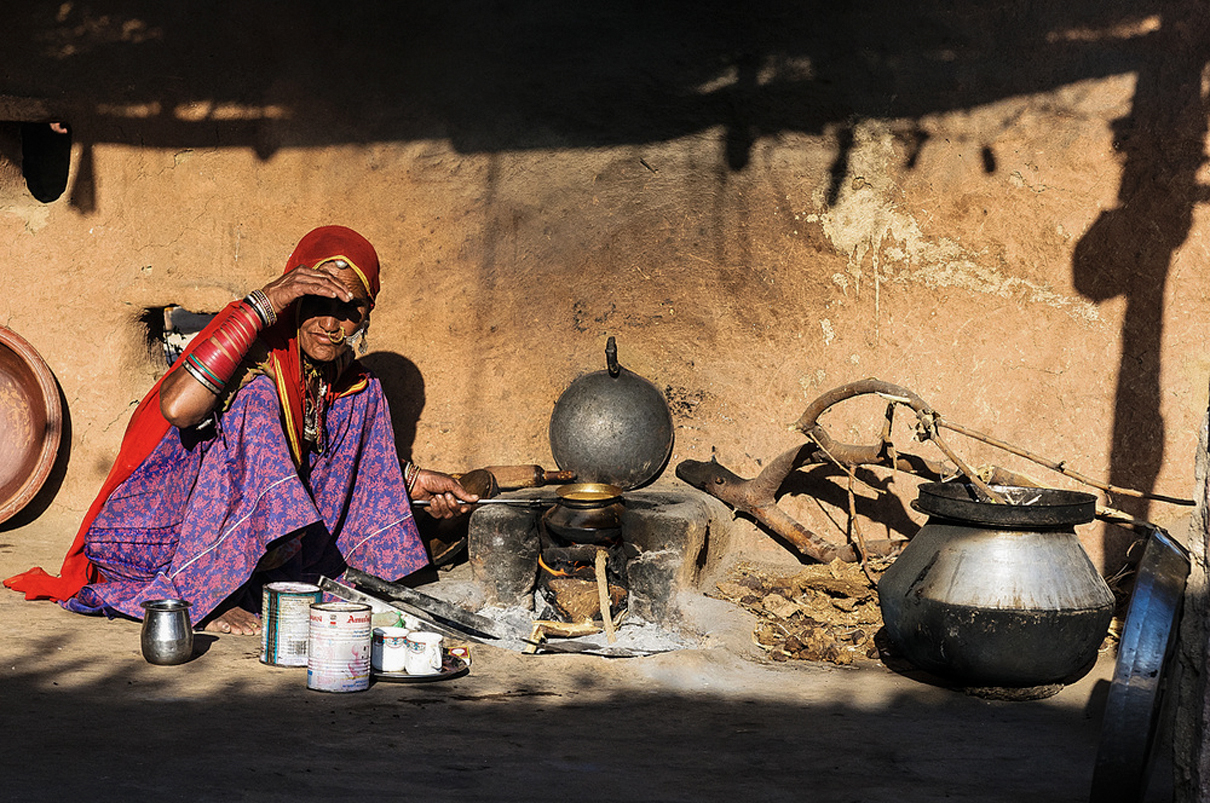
(338, 242)
(321, 245)
(148, 426)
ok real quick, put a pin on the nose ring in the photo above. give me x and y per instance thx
(335, 338)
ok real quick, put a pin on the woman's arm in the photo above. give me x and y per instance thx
(186, 401)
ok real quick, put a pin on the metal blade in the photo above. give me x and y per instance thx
(572, 646)
(495, 500)
(428, 606)
(338, 589)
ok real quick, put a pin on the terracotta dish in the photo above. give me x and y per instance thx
(30, 422)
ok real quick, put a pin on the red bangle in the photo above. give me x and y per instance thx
(214, 361)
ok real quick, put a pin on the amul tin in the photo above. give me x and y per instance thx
(338, 649)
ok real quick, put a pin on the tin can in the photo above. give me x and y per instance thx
(338, 647)
(286, 623)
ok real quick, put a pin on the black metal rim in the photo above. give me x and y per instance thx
(1029, 507)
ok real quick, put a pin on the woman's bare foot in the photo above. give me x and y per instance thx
(235, 621)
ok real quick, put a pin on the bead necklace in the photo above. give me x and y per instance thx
(314, 402)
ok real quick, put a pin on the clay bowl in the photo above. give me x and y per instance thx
(30, 422)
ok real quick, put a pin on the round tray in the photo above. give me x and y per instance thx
(1027, 507)
(31, 421)
(451, 667)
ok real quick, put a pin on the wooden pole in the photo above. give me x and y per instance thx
(603, 595)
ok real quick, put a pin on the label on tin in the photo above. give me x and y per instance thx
(285, 622)
(338, 650)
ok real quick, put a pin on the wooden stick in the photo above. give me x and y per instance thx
(536, 638)
(861, 551)
(927, 429)
(852, 477)
(603, 595)
(1060, 467)
(550, 627)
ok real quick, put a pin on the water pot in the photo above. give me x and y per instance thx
(167, 636)
(991, 594)
(587, 513)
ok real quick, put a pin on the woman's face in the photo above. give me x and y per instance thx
(326, 319)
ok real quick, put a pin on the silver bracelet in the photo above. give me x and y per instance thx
(261, 306)
(206, 381)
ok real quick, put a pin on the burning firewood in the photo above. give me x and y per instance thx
(578, 600)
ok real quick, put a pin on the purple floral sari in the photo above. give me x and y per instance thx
(196, 518)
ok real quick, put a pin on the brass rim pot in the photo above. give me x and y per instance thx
(586, 513)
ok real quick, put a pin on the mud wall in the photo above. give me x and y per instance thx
(1000, 209)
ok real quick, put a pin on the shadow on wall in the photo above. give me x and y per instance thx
(556, 75)
(1128, 250)
(403, 386)
(826, 484)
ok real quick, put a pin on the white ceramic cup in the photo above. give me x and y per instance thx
(423, 653)
(388, 649)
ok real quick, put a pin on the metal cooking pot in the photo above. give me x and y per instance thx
(997, 594)
(612, 427)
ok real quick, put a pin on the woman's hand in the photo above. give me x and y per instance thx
(446, 497)
(304, 281)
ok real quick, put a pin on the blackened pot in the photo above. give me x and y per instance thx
(1013, 603)
(612, 426)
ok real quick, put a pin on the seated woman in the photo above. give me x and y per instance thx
(265, 454)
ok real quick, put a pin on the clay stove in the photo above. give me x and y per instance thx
(569, 573)
(665, 538)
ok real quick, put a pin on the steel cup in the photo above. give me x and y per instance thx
(167, 637)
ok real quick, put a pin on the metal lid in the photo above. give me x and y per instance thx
(1027, 507)
(596, 493)
(612, 427)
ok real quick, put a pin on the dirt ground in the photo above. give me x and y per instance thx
(88, 718)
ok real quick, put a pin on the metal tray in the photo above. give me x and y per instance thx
(1142, 674)
(31, 420)
(450, 668)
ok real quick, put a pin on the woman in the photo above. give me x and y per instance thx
(265, 454)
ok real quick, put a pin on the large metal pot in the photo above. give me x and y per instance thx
(997, 594)
(612, 427)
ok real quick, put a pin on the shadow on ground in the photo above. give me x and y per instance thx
(87, 718)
